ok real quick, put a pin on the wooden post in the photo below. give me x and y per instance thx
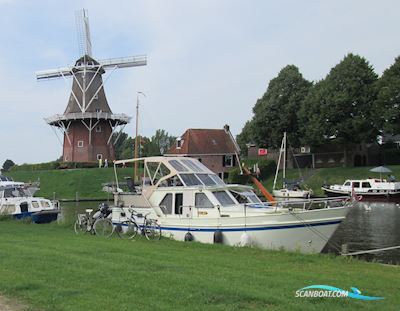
(345, 249)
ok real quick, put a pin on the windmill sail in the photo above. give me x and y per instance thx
(83, 32)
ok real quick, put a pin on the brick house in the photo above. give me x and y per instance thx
(215, 148)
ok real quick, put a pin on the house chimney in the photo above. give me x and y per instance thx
(226, 128)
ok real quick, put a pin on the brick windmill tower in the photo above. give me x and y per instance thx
(88, 125)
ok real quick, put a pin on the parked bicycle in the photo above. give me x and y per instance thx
(98, 223)
(130, 228)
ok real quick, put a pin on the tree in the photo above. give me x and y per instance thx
(119, 145)
(276, 111)
(388, 99)
(341, 107)
(7, 165)
(245, 137)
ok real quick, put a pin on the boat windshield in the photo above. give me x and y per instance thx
(245, 196)
(223, 198)
(5, 178)
(16, 193)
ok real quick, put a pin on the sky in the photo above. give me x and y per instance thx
(208, 60)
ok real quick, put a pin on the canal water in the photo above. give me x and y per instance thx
(369, 225)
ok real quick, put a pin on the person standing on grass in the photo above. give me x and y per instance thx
(105, 163)
(100, 163)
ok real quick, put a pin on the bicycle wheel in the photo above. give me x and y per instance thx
(103, 227)
(80, 226)
(128, 230)
(152, 230)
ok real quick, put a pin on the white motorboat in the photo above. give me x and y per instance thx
(290, 189)
(17, 201)
(190, 202)
(369, 188)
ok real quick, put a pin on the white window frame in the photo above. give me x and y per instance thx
(99, 158)
(98, 129)
(225, 160)
(80, 143)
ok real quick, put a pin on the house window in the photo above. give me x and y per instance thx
(227, 160)
(80, 143)
(98, 128)
(179, 143)
(99, 156)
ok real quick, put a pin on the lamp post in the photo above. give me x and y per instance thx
(137, 136)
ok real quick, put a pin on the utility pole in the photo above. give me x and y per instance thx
(137, 143)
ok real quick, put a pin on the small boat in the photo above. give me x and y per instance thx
(290, 189)
(370, 188)
(190, 202)
(17, 201)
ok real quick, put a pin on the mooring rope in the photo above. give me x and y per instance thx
(317, 232)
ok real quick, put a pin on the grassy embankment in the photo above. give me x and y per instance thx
(88, 182)
(49, 268)
(65, 183)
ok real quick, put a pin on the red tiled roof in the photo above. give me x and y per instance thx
(205, 141)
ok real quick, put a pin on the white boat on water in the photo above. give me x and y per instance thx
(290, 189)
(190, 202)
(369, 188)
(17, 201)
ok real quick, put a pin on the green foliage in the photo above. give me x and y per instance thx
(267, 168)
(342, 105)
(245, 137)
(388, 99)
(53, 166)
(119, 145)
(7, 165)
(158, 144)
(276, 111)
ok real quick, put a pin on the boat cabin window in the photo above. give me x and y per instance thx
(245, 197)
(192, 165)
(366, 185)
(35, 204)
(356, 184)
(218, 180)
(178, 203)
(178, 166)
(201, 201)
(223, 198)
(347, 183)
(173, 181)
(191, 180)
(14, 193)
(206, 179)
(166, 204)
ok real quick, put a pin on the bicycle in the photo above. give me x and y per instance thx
(98, 224)
(130, 228)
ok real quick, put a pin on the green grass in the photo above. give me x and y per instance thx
(47, 267)
(65, 183)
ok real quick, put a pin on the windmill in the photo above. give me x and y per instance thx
(88, 124)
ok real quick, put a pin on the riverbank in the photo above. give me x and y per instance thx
(88, 182)
(48, 267)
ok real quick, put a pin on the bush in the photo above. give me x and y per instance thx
(392, 156)
(267, 168)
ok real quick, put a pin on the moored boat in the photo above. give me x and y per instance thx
(17, 201)
(370, 188)
(189, 200)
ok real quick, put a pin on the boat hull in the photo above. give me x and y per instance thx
(365, 196)
(305, 231)
(42, 217)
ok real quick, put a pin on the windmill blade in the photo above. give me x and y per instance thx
(123, 62)
(53, 73)
(83, 32)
